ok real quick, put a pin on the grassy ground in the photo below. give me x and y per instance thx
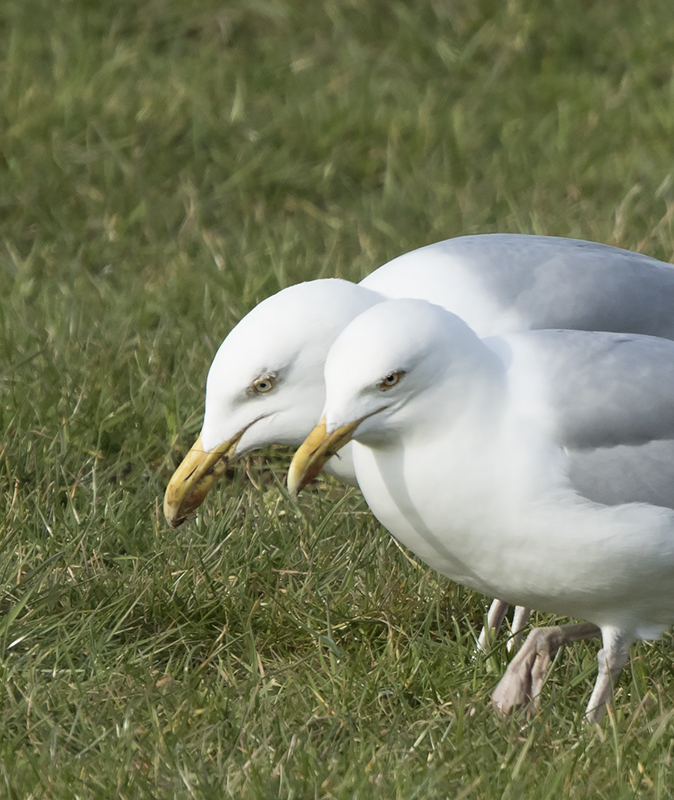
(164, 166)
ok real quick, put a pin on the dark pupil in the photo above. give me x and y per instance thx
(390, 378)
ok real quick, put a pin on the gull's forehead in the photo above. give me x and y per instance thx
(262, 341)
(386, 337)
(300, 322)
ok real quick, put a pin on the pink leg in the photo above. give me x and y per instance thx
(520, 619)
(611, 658)
(495, 616)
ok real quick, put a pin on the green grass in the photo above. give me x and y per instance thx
(164, 166)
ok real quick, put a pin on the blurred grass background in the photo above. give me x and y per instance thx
(164, 166)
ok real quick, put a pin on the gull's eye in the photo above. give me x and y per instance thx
(390, 380)
(263, 384)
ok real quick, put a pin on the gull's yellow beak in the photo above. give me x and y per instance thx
(316, 449)
(195, 477)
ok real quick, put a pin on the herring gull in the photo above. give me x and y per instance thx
(537, 467)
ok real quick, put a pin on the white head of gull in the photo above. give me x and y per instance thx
(475, 455)
(265, 385)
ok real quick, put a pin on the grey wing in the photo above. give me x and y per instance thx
(568, 283)
(525, 282)
(612, 400)
(625, 473)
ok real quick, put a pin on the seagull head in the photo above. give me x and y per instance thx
(386, 374)
(265, 385)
